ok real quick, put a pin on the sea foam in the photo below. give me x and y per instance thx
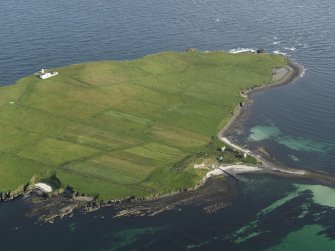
(279, 52)
(290, 48)
(242, 50)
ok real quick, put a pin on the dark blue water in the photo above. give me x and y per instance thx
(293, 123)
(257, 219)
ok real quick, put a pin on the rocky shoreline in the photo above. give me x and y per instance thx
(211, 197)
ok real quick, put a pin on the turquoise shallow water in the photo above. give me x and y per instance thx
(293, 143)
(308, 238)
(294, 123)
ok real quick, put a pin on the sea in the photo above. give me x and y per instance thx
(294, 124)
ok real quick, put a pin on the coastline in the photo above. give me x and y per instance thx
(295, 71)
(267, 165)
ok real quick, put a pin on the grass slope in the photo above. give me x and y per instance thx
(119, 129)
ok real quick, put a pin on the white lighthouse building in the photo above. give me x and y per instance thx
(44, 75)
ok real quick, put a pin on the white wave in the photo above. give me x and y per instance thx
(276, 42)
(279, 52)
(241, 50)
(303, 72)
(290, 48)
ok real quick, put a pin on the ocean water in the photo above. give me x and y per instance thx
(293, 123)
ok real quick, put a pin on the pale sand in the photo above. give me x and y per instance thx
(237, 169)
(228, 142)
(233, 169)
(280, 73)
(290, 171)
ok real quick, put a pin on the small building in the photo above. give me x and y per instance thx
(245, 155)
(223, 149)
(69, 192)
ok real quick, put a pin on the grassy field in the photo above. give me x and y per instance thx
(119, 129)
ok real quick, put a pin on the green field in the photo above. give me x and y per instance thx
(116, 129)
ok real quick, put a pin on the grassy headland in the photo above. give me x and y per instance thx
(123, 128)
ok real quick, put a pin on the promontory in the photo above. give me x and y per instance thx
(119, 129)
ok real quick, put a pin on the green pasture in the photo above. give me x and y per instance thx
(115, 129)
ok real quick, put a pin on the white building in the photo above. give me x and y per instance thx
(45, 75)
